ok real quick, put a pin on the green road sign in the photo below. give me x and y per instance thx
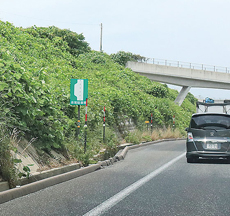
(78, 91)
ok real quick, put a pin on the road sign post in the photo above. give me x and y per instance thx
(85, 126)
(104, 125)
(78, 121)
(151, 123)
(79, 96)
(147, 123)
(173, 122)
(78, 91)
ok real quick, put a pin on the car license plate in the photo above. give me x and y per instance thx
(212, 146)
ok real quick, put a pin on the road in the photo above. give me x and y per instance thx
(152, 180)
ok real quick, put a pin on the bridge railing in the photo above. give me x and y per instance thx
(181, 64)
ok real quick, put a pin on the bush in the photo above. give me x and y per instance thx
(76, 42)
(158, 90)
(7, 163)
(122, 57)
(134, 137)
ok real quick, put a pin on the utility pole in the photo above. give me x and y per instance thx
(101, 39)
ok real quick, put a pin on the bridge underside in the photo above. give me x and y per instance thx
(185, 77)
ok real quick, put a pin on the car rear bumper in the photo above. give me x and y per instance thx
(197, 154)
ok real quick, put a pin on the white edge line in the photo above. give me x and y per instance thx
(106, 205)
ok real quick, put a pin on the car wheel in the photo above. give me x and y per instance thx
(191, 160)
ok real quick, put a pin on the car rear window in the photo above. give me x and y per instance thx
(208, 120)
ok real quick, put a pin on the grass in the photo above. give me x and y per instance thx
(137, 136)
(166, 133)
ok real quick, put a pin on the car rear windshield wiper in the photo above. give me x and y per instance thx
(200, 128)
(204, 128)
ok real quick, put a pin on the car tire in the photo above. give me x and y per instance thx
(191, 160)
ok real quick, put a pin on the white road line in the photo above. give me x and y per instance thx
(103, 207)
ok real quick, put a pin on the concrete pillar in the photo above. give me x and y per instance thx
(183, 92)
(225, 109)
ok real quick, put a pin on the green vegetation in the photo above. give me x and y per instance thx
(138, 136)
(7, 165)
(122, 57)
(36, 65)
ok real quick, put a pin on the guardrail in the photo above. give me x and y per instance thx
(180, 64)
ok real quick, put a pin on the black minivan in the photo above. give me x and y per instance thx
(208, 136)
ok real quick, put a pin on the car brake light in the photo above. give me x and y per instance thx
(190, 136)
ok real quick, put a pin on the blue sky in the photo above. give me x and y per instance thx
(195, 31)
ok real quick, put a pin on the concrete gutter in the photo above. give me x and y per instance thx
(10, 194)
(4, 186)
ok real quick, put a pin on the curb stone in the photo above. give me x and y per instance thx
(20, 191)
(39, 185)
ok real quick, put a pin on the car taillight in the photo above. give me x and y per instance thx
(190, 136)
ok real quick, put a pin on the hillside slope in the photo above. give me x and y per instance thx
(36, 65)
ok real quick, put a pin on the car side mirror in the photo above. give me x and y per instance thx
(186, 129)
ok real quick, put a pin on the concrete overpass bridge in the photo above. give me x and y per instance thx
(183, 74)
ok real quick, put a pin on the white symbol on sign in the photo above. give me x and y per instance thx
(79, 89)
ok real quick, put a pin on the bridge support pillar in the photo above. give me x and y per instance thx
(183, 92)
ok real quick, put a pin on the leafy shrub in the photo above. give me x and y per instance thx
(76, 42)
(191, 98)
(158, 90)
(111, 143)
(7, 166)
(134, 137)
(122, 57)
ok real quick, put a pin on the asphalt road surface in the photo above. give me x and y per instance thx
(152, 180)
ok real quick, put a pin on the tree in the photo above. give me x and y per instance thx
(76, 42)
